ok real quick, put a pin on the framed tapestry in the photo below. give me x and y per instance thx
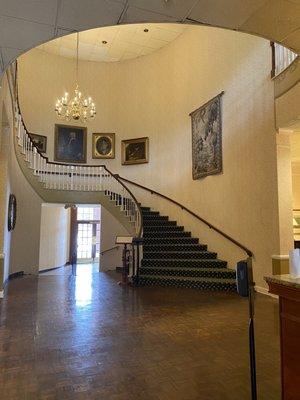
(103, 145)
(135, 151)
(70, 144)
(40, 142)
(207, 138)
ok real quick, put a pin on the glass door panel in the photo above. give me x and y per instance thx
(84, 242)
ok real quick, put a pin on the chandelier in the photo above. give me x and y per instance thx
(76, 108)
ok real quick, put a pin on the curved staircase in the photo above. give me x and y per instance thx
(171, 257)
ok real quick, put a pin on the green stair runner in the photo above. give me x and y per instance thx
(172, 257)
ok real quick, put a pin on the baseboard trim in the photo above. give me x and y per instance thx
(15, 275)
(265, 291)
(52, 269)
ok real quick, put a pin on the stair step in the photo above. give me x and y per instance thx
(158, 228)
(166, 234)
(153, 215)
(220, 273)
(174, 247)
(166, 255)
(147, 209)
(170, 240)
(185, 263)
(158, 221)
(189, 282)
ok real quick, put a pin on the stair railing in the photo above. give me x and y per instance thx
(198, 217)
(90, 178)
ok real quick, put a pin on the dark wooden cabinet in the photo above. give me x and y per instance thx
(289, 306)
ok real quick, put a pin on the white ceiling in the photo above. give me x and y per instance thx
(123, 42)
(25, 24)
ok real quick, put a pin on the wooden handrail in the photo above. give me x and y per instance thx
(107, 250)
(238, 244)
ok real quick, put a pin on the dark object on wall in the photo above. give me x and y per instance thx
(103, 145)
(135, 151)
(12, 212)
(207, 138)
(70, 144)
(245, 287)
(242, 281)
(40, 142)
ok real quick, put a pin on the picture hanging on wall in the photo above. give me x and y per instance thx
(207, 138)
(135, 151)
(103, 145)
(70, 144)
(12, 212)
(39, 141)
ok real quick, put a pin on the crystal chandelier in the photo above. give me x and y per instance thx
(76, 108)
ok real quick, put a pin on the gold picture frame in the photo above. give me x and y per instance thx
(103, 145)
(70, 144)
(135, 151)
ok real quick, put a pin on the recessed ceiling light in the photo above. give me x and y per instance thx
(104, 42)
(146, 30)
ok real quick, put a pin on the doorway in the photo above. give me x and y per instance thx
(85, 234)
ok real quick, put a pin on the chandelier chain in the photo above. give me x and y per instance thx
(76, 108)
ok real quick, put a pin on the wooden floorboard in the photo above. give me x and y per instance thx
(85, 337)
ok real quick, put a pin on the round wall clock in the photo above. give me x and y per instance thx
(12, 212)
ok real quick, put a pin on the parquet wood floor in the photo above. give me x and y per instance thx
(85, 337)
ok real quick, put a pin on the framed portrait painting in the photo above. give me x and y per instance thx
(40, 142)
(207, 138)
(70, 144)
(103, 145)
(135, 151)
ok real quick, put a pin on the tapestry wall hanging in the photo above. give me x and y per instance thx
(207, 138)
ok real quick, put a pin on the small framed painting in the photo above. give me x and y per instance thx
(39, 141)
(135, 151)
(70, 144)
(103, 145)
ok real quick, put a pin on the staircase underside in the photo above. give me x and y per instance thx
(171, 257)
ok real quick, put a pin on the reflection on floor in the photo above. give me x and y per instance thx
(90, 268)
(85, 337)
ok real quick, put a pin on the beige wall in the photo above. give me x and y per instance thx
(295, 165)
(110, 228)
(5, 236)
(21, 246)
(153, 96)
(54, 236)
(285, 192)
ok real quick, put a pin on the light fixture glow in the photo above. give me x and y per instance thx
(77, 108)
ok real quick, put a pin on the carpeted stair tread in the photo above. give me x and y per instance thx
(157, 228)
(189, 272)
(200, 262)
(166, 233)
(190, 278)
(174, 247)
(213, 284)
(179, 255)
(173, 241)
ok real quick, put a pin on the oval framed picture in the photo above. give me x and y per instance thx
(103, 145)
(12, 212)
